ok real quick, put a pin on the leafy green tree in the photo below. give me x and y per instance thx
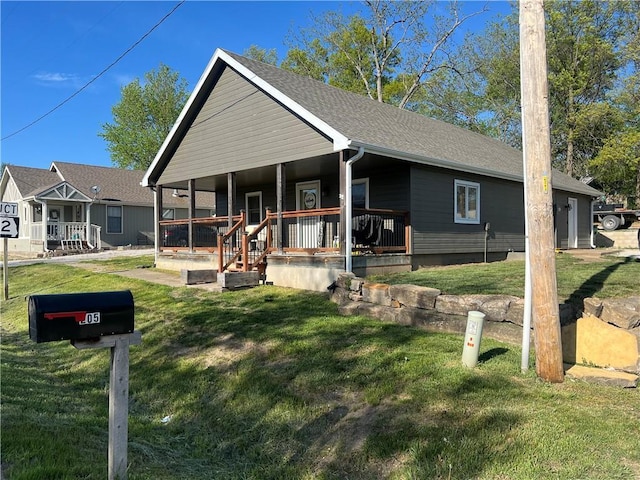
(388, 53)
(144, 117)
(584, 40)
(617, 164)
(262, 54)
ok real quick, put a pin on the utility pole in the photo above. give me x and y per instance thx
(539, 192)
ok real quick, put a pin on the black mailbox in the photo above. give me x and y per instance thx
(80, 316)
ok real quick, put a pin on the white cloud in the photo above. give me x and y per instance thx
(56, 78)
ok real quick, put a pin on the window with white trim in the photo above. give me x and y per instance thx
(253, 203)
(467, 202)
(114, 219)
(360, 193)
(168, 214)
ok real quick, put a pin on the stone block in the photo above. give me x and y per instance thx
(344, 280)
(377, 293)
(592, 306)
(601, 376)
(621, 312)
(495, 307)
(381, 312)
(356, 284)
(414, 296)
(457, 304)
(515, 314)
(593, 342)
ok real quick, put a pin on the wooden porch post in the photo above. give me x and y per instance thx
(87, 216)
(192, 212)
(45, 225)
(157, 231)
(343, 201)
(281, 194)
(231, 200)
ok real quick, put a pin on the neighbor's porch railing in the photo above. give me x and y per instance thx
(304, 231)
(69, 232)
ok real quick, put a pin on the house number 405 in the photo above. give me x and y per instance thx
(91, 318)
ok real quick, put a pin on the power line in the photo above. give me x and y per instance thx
(97, 76)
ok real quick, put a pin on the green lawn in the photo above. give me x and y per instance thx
(271, 383)
(577, 279)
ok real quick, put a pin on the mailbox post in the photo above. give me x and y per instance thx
(95, 320)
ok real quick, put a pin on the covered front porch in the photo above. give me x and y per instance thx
(60, 218)
(302, 248)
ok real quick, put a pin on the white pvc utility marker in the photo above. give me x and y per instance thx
(472, 338)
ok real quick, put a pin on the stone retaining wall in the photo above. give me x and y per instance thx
(607, 334)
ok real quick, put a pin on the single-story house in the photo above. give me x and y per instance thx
(74, 206)
(351, 183)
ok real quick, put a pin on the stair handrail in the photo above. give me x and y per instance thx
(266, 223)
(240, 224)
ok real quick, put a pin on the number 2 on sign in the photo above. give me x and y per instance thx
(90, 318)
(5, 226)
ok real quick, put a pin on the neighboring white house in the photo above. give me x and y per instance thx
(75, 206)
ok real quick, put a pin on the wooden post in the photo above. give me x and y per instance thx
(539, 192)
(231, 199)
(5, 268)
(281, 203)
(118, 397)
(157, 229)
(192, 213)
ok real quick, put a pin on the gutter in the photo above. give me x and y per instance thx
(349, 211)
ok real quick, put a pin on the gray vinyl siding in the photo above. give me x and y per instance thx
(561, 219)
(135, 220)
(432, 214)
(240, 127)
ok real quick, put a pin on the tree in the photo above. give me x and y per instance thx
(388, 53)
(144, 117)
(617, 164)
(262, 54)
(584, 41)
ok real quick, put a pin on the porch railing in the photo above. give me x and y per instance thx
(245, 247)
(65, 232)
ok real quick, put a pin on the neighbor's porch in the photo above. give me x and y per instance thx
(67, 235)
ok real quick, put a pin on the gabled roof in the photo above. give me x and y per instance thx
(352, 121)
(116, 184)
(30, 181)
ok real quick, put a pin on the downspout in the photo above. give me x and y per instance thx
(592, 238)
(349, 210)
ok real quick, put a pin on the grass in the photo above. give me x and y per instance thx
(577, 278)
(271, 383)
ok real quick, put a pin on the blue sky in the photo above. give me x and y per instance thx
(49, 50)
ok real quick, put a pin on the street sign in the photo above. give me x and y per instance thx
(8, 209)
(9, 227)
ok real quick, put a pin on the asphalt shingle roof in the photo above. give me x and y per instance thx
(115, 183)
(387, 128)
(30, 181)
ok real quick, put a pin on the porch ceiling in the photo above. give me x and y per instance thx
(308, 168)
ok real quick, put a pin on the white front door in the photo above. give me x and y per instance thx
(572, 225)
(308, 198)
